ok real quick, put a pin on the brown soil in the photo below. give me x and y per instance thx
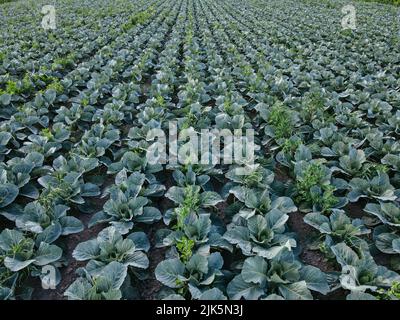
(150, 287)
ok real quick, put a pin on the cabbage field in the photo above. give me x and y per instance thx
(86, 214)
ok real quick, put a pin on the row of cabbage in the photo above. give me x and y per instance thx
(323, 103)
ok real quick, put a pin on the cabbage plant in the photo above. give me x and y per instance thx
(47, 223)
(110, 246)
(338, 227)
